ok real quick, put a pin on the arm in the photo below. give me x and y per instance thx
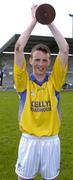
(62, 44)
(22, 41)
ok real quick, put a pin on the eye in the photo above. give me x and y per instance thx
(45, 60)
(37, 60)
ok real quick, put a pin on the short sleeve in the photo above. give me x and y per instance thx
(58, 74)
(20, 77)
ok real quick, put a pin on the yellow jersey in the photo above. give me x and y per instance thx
(38, 112)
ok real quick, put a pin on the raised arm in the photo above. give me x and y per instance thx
(62, 44)
(22, 41)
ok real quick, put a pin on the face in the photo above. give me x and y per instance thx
(40, 61)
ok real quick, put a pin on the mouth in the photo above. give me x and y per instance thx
(40, 68)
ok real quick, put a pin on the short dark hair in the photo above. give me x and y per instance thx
(41, 47)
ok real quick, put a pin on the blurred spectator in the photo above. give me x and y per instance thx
(1, 77)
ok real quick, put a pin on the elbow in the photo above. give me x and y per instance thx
(66, 49)
(18, 47)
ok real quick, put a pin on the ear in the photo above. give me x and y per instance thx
(30, 60)
(49, 62)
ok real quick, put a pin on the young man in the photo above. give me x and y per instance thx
(39, 121)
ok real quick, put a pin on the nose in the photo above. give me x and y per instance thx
(40, 62)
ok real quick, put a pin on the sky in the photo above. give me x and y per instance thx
(15, 16)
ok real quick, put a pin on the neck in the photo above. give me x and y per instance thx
(39, 77)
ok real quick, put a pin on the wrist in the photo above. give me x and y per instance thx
(34, 20)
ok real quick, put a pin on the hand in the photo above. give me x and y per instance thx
(33, 10)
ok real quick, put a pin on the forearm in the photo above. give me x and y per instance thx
(23, 39)
(21, 43)
(62, 44)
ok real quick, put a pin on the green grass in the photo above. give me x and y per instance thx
(9, 136)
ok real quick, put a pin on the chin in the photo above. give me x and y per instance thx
(41, 73)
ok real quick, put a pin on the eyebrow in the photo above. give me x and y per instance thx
(39, 59)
